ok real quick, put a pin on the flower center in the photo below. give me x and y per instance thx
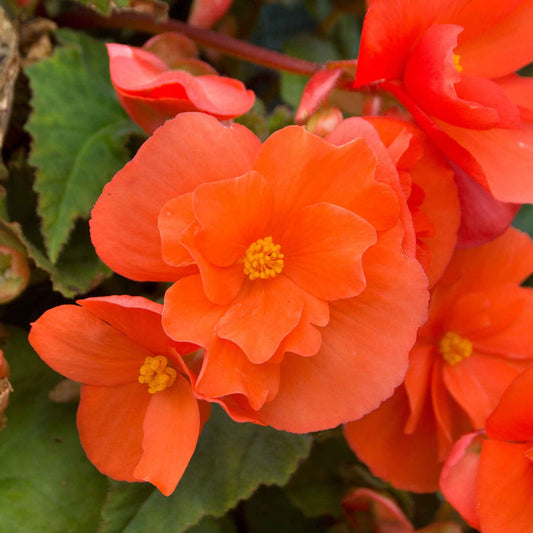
(156, 374)
(263, 259)
(454, 348)
(457, 62)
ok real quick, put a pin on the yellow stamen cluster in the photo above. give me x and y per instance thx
(156, 374)
(263, 259)
(454, 348)
(457, 63)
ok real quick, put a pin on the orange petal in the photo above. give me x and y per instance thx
(408, 461)
(417, 381)
(503, 47)
(432, 80)
(316, 91)
(188, 315)
(220, 284)
(385, 173)
(110, 424)
(505, 156)
(262, 315)
(232, 215)
(82, 347)
(170, 433)
(504, 487)
(323, 251)
(174, 161)
(284, 160)
(137, 318)
(507, 259)
(519, 90)
(228, 371)
(515, 336)
(133, 68)
(305, 339)
(452, 422)
(305, 170)
(477, 383)
(458, 477)
(441, 204)
(513, 417)
(174, 218)
(357, 366)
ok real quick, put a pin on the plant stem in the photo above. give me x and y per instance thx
(222, 43)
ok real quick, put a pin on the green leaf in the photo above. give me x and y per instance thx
(230, 462)
(79, 269)
(121, 504)
(46, 482)
(320, 483)
(78, 130)
(210, 525)
(270, 510)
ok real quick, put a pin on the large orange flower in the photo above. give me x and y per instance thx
(452, 64)
(479, 336)
(490, 480)
(138, 417)
(287, 260)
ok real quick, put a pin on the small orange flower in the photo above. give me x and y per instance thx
(153, 89)
(288, 264)
(138, 417)
(452, 63)
(479, 336)
(490, 480)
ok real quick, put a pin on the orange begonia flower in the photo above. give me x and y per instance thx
(479, 336)
(452, 63)
(152, 91)
(426, 181)
(287, 259)
(490, 480)
(138, 417)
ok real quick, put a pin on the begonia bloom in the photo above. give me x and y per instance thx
(452, 65)
(490, 480)
(288, 264)
(138, 417)
(152, 92)
(479, 336)
(426, 180)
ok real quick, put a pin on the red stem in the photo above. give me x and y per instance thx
(222, 43)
